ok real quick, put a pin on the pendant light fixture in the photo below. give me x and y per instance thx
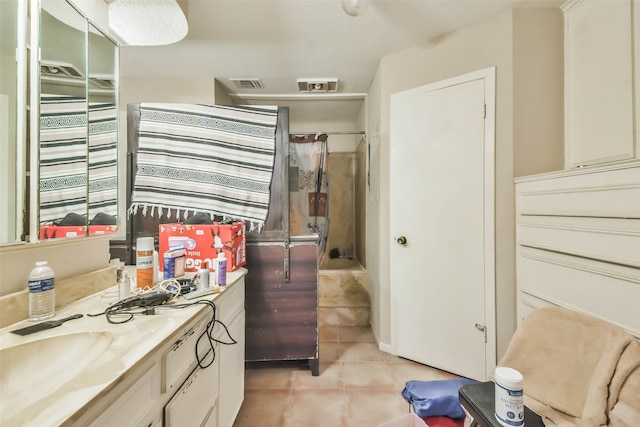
(354, 7)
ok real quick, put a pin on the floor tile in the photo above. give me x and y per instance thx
(366, 374)
(317, 408)
(330, 377)
(360, 351)
(359, 385)
(370, 407)
(264, 408)
(404, 371)
(265, 376)
(329, 352)
(356, 334)
(328, 333)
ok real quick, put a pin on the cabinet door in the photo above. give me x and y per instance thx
(136, 406)
(195, 400)
(212, 419)
(180, 359)
(232, 373)
(598, 82)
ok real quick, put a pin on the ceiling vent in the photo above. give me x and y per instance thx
(103, 82)
(318, 85)
(60, 70)
(247, 83)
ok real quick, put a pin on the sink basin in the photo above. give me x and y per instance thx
(31, 371)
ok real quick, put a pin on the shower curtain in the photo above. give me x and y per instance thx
(309, 187)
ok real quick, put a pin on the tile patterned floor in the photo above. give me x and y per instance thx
(358, 385)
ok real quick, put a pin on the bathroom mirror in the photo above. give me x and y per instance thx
(13, 16)
(103, 133)
(77, 166)
(63, 132)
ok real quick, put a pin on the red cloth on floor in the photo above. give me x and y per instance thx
(436, 421)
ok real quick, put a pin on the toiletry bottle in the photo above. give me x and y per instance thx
(221, 270)
(144, 262)
(124, 285)
(42, 293)
(156, 267)
(202, 276)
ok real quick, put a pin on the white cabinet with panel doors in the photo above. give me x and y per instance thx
(601, 72)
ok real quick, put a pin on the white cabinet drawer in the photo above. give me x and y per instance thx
(136, 406)
(180, 358)
(195, 401)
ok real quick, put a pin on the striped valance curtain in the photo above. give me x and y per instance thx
(211, 159)
(63, 157)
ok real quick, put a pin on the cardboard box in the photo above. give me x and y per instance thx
(58, 232)
(102, 229)
(203, 242)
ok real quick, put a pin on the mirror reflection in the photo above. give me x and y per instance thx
(63, 121)
(103, 134)
(12, 119)
(78, 125)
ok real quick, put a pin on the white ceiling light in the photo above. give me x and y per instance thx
(147, 22)
(354, 7)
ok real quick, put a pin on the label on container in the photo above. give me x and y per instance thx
(41, 285)
(509, 406)
(221, 272)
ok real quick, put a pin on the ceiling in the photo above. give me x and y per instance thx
(280, 41)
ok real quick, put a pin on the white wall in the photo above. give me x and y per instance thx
(489, 43)
(67, 258)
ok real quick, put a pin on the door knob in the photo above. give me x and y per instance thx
(401, 240)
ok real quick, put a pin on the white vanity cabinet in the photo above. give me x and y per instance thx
(218, 389)
(600, 111)
(169, 388)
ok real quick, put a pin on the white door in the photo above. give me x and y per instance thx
(442, 256)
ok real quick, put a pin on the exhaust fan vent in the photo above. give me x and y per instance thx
(318, 85)
(60, 70)
(102, 82)
(247, 83)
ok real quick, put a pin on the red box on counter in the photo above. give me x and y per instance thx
(203, 242)
(51, 231)
(102, 229)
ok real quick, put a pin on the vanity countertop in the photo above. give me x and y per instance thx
(74, 386)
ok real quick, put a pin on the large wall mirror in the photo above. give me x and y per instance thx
(77, 126)
(58, 175)
(13, 77)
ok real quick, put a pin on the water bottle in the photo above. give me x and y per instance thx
(42, 293)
